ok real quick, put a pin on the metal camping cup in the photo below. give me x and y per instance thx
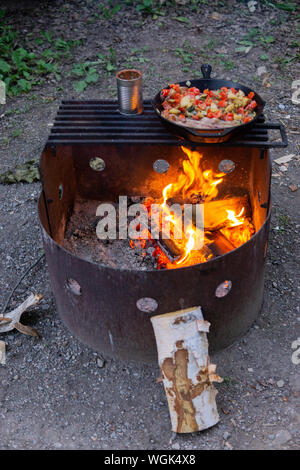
(130, 95)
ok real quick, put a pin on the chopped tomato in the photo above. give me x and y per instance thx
(229, 117)
(250, 95)
(247, 119)
(211, 93)
(166, 105)
(224, 88)
(208, 101)
(252, 105)
(233, 90)
(222, 95)
(165, 92)
(196, 117)
(202, 106)
(194, 90)
(222, 104)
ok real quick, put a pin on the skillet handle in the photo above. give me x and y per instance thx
(206, 71)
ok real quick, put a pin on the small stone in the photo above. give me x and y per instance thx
(280, 383)
(283, 168)
(282, 437)
(216, 16)
(250, 369)
(176, 446)
(261, 70)
(100, 362)
(226, 435)
(281, 106)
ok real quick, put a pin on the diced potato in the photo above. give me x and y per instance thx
(240, 94)
(229, 108)
(213, 107)
(245, 101)
(186, 102)
(174, 111)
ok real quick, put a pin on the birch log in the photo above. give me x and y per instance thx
(186, 370)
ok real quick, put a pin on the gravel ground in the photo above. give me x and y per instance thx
(56, 393)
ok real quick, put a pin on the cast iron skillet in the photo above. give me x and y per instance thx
(209, 135)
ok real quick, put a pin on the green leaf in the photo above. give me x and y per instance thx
(4, 66)
(263, 57)
(80, 86)
(182, 19)
(92, 77)
(110, 67)
(243, 49)
(24, 85)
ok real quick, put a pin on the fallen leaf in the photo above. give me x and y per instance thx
(293, 187)
(284, 159)
(26, 330)
(26, 173)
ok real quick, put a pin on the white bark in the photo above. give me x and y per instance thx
(187, 373)
(10, 320)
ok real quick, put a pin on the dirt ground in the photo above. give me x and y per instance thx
(56, 393)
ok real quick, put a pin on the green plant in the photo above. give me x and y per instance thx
(185, 56)
(137, 57)
(286, 6)
(20, 67)
(108, 11)
(88, 72)
(108, 60)
(150, 7)
(227, 63)
(16, 133)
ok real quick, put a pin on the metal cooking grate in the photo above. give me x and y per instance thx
(99, 121)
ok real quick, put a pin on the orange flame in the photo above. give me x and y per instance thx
(192, 184)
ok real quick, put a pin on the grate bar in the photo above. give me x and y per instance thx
(99, 121)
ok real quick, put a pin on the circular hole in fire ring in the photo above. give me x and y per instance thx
(161, 166)
(226, 166)
(97, 164)
(223, 289)
(73, 286)
(147, 304)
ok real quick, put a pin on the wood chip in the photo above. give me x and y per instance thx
(284, 159)
(2, 353)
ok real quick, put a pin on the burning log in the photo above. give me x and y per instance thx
(215, 212)
(186, 371)
(221, 245)
(171, 249)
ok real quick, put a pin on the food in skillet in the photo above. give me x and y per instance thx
(210, 109)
